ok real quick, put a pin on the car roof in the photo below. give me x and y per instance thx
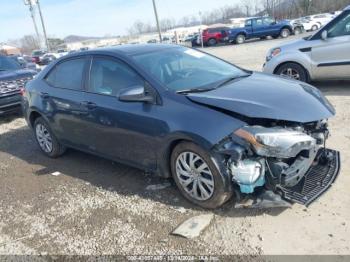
(135, 49)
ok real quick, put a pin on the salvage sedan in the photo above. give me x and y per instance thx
(218, 130)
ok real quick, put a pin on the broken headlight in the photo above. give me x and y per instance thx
(276, 142)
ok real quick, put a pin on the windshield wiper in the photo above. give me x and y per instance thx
(229, 79)
(194, 90)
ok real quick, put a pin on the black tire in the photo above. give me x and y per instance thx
(301, 71)
(57, 148)
(275, 36)
(219, 196)
(297, 31)
(314, 27)
(240, 39)
(212, 42)
(285, 33)
(263, 38)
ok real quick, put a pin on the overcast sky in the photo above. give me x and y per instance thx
(94, 17)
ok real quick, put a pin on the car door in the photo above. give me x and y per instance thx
(124, 131)
(271, 27)
(331, 56)
(258, 27)
(63, 101)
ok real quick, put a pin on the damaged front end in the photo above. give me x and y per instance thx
(279, 163)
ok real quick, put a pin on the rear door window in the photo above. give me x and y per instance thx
(67, 74)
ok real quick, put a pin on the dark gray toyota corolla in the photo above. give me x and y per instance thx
(218, 130)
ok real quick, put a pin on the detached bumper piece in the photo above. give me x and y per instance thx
(317, 180)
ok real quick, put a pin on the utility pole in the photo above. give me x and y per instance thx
(31, 9)
(43, 25)
(200, 29)
(157, 20)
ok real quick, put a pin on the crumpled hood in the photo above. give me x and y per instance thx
(269, 97)
(15, 74)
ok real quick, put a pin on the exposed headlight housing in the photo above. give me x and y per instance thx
(274, 52)
(276, 142)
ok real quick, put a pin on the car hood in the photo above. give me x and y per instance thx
(268, 97)
(16, 74)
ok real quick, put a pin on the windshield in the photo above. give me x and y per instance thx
(185, 69)
(7, 63)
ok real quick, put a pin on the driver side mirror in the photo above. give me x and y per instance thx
(136, 94)
(324, 35)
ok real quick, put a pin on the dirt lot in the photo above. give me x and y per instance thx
(99, 207)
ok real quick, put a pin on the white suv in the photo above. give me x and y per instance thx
(324, 55)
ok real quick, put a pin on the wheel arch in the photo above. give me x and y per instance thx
(33, 115)
(293, 62)
(287, 27)
(165, 154)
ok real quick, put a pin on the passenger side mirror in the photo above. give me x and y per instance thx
(136, 94)
(324, 35)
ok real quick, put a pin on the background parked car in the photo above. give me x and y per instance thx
(213, 36)
(298, 27)
(324, 55)
(260, 27)
(24, 61)
(321, 19)
(37, 55)
(308, 25)
(48, 58)
(12, 79)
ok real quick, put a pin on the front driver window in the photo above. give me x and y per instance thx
(341, 28)
(109, 76)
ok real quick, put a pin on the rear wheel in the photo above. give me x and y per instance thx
(46, 140)
(314, 27)
(294, 71)
(240, 39)
(285, 33)
(197, 177)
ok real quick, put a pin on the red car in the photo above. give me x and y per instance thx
(213, 36)
(37, 55)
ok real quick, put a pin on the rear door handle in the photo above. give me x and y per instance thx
(89, 105)
(44, 95)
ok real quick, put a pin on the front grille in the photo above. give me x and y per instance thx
(316, 181)
(12, 86)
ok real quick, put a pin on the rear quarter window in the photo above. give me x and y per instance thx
(67, 74)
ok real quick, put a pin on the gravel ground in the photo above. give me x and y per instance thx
(96, 206)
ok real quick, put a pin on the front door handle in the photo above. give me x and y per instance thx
(89, 105)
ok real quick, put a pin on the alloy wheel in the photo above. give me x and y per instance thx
(44, 138)
(291, 73)
(195, 176)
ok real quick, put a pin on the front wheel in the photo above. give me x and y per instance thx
(197, 177)
(297, 31)
(212, 42)
(46, 140)
(294, 71)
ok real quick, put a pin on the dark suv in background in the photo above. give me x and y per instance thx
(12, 79)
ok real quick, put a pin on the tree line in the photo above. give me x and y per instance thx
(280, 9)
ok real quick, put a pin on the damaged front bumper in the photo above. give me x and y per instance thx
(301, 171)
(317, 180)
